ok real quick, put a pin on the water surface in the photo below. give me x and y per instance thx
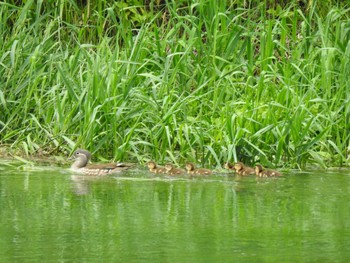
(48, 214)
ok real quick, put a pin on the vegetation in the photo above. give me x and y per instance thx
(205, 81)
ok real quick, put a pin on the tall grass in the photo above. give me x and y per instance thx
(207, 82)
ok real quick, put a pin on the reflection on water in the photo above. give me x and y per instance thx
(136, 217)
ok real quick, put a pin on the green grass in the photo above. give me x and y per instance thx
(207, 82)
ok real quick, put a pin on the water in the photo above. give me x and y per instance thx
(51, 215)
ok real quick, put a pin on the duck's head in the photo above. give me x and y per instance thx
(168, 167)
(238, 166)
(151, 165)
(258, 169)
(190, 166)
(228, 166)
(81, 158)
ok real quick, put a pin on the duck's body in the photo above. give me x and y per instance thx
(81, 165)
(153, 168)
(243, 170)
(171, 170)
(262, 172)
(191, 169)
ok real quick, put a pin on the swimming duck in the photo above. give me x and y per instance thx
(262, 172)
(153, 168)
(191, 169)
(241, 169)
(171, 170)
(82, 158)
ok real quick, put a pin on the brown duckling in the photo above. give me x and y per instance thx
(241, 169)
(153, 168)
(191, 169)
(81, 165)
(171, 170)
(262, 172)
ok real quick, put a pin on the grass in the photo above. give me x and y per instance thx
(206, 82)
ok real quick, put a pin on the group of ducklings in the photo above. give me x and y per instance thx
(172, 170)
(259, 170)
(191, 169)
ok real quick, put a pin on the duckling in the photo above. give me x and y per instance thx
(262, 172)
(229, 166)
(82, 158)
(153, 168)
(241, 169)
(191, 169)
(171, 170)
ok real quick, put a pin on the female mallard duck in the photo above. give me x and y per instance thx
(262, 172)
(153, 168)
(171, 170)
(241, 169)
(82, 158)
(191, 169)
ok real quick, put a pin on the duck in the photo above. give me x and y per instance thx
(81, 165)
(171, 170)
(241, 169)
(153, 168)
(191, 169)
(262, 172)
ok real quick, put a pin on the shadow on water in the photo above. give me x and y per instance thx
(53, 215)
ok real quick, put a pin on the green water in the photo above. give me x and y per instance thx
(51, 215)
